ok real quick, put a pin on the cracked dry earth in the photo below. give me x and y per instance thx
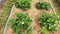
(33, 12)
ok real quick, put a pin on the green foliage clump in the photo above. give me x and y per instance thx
(18, 33)
(58, 26)
(43, 5)
(21, 21)
(48, 20)
(43, 30)
(23, 4)
(28, 31)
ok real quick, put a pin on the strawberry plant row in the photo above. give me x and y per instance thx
(26, 4)
(46, 20)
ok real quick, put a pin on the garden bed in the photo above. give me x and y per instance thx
(33, 13)
(4, 13)
(56, 6)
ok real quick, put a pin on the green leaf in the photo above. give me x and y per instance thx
(28, 31)
(43, 30)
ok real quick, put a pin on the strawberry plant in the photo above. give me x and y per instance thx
(23, 4)
(21, 21)
(48, 20)
(43, 5)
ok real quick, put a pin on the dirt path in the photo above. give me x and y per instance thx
(33, 12)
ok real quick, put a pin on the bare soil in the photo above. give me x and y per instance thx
(33, 12)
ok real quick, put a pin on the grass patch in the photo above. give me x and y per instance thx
(6, 9)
